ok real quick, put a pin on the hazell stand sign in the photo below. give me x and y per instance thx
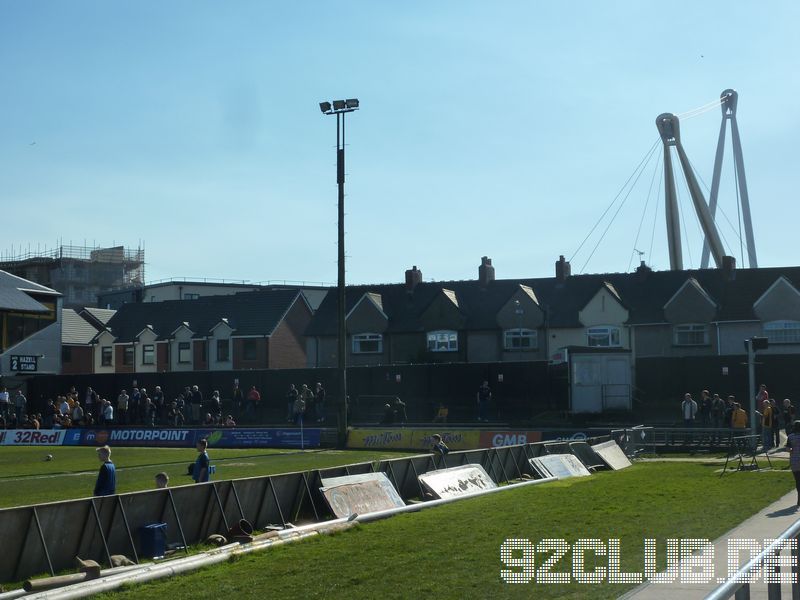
(24, 363)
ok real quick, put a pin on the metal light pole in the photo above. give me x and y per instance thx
(340, 108)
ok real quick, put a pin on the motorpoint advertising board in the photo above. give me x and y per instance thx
(33, 437)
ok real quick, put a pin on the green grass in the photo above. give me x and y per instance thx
(26, 478)
(453, 551)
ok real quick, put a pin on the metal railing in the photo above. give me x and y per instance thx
(765, 565)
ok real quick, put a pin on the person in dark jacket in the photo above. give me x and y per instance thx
(106, 484)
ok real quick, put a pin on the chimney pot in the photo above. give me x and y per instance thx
(729, 267)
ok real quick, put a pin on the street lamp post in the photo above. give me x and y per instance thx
(340, 108)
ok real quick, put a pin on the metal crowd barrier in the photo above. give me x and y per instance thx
(768, 566)
(635, 440)
(46, 538)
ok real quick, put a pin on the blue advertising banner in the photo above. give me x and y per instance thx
(187, 438)
(261, 438)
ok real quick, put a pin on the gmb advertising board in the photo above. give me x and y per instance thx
(164, 438)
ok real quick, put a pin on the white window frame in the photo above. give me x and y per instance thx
(611, 334)
(187, 348)
(148, 349)
(784, 331)
(363, 341)
(442, 340)
(106, 352)
(527, 340)
(690, 331)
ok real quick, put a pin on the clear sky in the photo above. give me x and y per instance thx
(499, 129)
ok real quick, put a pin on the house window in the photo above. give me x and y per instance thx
(691, 335)
(249, 350)
(223, 350)
(189, 296)
(148, 354)
(603, 337)
(783, 332)
(443, 341)
(128, 356)
(520, 339)
(105, 356)
(367, 343)
(184, 352)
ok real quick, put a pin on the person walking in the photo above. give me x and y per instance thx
(767, 421)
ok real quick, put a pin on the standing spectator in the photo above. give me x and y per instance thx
(122, 408)
(705, 408)
(761, 397)
(20, 405)
(196, 403)
(767, 421)
(175, 415)
(229, 422)
(108, 413)
(133, 405)
(90, 399)
(144, 406)
(215, 406)
(793, 442)
(63, 406)
(484, 398)
(788, 415)
(730, 406)
(200, 472)
(106, 484)
(739, 417)
(51, 415)
(158, 402)
(253, 401)
(688, 410)
(299, 409)
(319, 391)
(717, 412)
(291, 397)
(238, 400)
(77, 414)
(149, 412)
(308, 402)
(777, 420)
(4, 398)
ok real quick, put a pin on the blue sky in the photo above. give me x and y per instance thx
(486, 129)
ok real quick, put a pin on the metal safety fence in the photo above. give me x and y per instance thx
(46, 538)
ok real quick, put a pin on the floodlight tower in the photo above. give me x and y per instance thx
(669, 129)
(729, 101)
(340, 108)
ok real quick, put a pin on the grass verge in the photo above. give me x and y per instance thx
(453, 551)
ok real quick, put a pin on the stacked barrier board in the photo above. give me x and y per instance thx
(45, 538)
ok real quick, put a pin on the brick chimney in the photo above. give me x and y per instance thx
(642, 271)
(413, 277)
(729, 267)
(563, 269)
(485, 271)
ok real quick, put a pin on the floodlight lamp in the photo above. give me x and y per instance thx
(325, 107)
(338, 105)
(351, 102)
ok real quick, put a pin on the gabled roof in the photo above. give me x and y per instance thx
(101, 315)
(644, 295)
(248, 313)
(451, 295)
(779, 281)
(372, 297)
(16, 292)
(75, 330)
(691, 283)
